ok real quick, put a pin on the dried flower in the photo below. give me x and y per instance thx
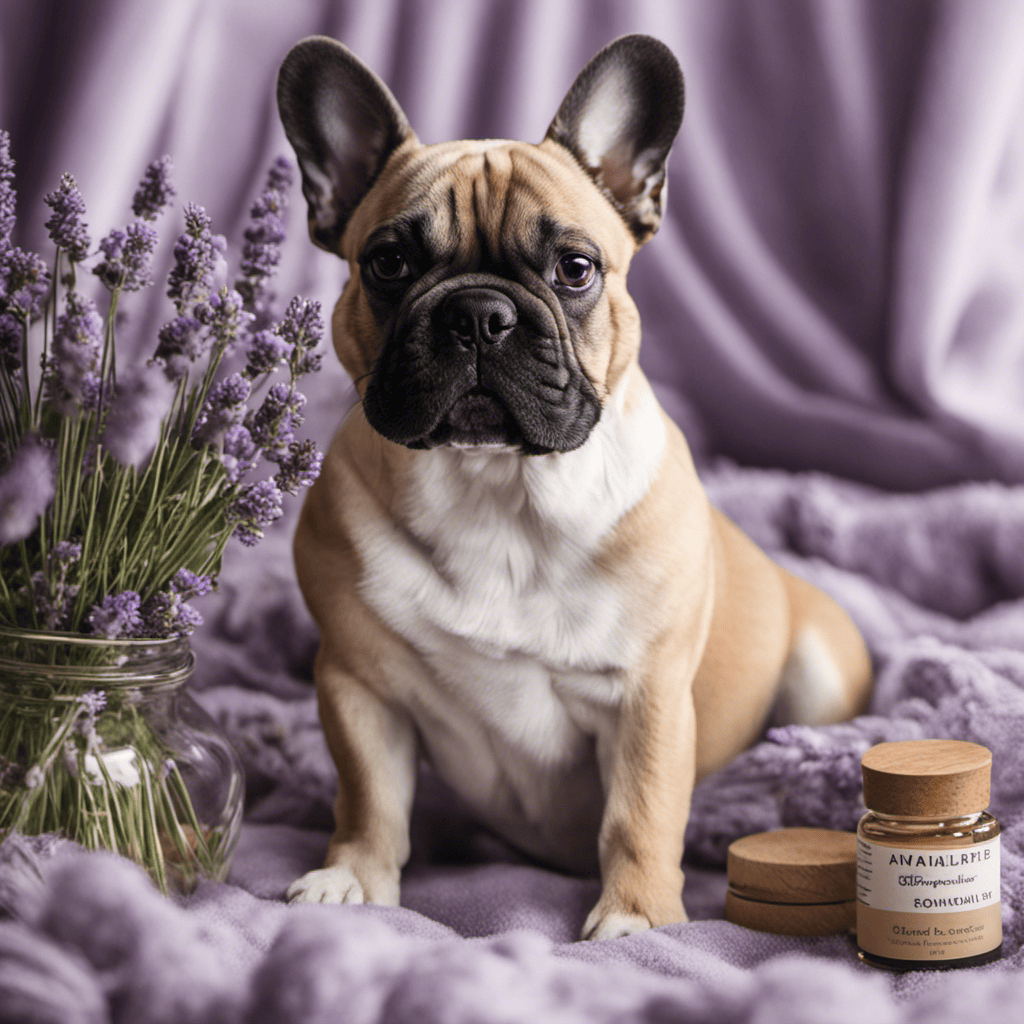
(133, 424)
(155, 191)
(256, 507)
(273, 425)
(168, 614)
(182, 341)
(8, 199)
(66, 227)
(65, 553)
(10, 343)
(267, 351)
(24, 282)
(224, 315)
(239, 454)
(299, 468)
(261, 249)
(92, 703)
(281, 175)
(302, 326)
(196, 255)
(71, 381)
(127, 257)
(26, 489)
(51, 592)
(117, 616)
(189, 584)
(224, 408)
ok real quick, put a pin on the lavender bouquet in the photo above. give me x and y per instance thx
(120, 486)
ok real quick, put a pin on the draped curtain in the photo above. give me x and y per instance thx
(839, 281)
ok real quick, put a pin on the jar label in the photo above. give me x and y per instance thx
(928, 903)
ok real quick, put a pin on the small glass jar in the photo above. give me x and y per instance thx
(928, 857)
(101, 743)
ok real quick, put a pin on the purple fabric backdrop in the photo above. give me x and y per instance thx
(839, 283)
(838, 287)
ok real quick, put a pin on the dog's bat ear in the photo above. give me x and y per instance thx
(619, 120)
(343, 123)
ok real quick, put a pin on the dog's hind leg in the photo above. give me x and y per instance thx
(827, 676)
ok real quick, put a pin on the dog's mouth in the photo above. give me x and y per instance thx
(478, 418)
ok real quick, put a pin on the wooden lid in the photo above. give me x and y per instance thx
(794, 866)
(791, 918)
(927, 778)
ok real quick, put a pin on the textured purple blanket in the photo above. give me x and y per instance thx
(483, 935)
(838, 288)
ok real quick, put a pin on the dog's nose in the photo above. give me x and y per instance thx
(478, 315)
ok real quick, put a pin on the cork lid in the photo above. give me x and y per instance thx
(794, 865)
(927, 778)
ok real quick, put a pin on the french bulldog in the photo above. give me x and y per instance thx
(509, 555)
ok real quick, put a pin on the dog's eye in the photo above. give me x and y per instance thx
(388, 264)
(575, 270)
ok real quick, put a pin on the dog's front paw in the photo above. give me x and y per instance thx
(614, 919)
(612, 924)
(345, 882)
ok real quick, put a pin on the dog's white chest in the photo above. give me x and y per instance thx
(491, 577)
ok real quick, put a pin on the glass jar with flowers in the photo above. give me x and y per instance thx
(120, 487)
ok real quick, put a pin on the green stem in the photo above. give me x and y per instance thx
(26, 405)
(51, 317)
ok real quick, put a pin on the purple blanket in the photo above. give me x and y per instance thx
(482, 935)
(838, 289)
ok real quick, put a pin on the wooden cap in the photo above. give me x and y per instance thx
(794, 866)
(927, 778)
(791, 918)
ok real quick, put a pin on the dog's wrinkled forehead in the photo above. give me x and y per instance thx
(488, 204)
(615, 127)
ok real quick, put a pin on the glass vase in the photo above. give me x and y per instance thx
(101, 743)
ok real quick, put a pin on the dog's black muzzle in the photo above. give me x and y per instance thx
(480, 360)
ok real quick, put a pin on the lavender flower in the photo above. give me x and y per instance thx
(24, 282)
(261, 250)
(70, 378)
(280, 176)
(155, 191)
(91, 703)
(52, 594)
(225, 317)
(240, 453)
(117, 616)
(8, 199)
(127, 257)
(66, 227)
(10, 343)
(132, 429)
(182, 341)
(256, 507)
(273, 425)
(224, 407)
(299, 468)
(65, 552)
(26, 489)
(168, 614)
(267, 352)
(302, 327)
(196, 256)
(189, 584)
